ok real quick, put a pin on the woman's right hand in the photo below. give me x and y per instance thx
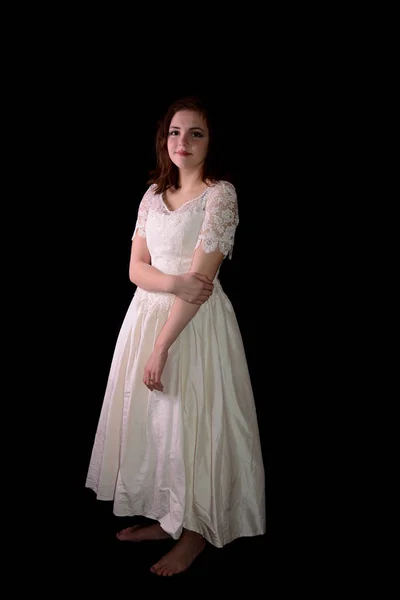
(193, 287)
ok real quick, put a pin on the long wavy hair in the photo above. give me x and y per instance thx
(166, 174)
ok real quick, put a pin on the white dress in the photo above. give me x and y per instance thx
(189, 456)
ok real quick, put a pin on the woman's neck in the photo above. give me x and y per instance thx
(189, 180)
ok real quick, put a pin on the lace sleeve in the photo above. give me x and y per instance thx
(220, 221)
(143, 211)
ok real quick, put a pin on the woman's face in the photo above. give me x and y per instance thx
(188, 139)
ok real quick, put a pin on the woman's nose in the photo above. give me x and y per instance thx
(184, 139)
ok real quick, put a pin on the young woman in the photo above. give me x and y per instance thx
(178, 439)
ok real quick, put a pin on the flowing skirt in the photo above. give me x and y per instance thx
(190, 456)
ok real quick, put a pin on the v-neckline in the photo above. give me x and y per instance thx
(184, 204)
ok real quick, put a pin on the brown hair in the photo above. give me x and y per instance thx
(166, 174)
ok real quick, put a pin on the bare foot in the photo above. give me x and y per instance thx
(179, 559)
(141, 533)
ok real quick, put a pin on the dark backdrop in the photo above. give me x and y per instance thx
(103, 129)
(88, 115)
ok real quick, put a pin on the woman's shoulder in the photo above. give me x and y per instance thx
(223, 186)
(150, 192)
(223, 189)
(149, 197)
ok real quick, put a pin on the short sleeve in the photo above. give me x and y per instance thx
(143, 212)
(220, 221)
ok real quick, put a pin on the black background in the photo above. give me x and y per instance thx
(97, 125)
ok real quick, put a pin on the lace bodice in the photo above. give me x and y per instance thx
(172, 236)
(209, 220)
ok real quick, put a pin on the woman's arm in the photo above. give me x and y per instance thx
(191, 287)
(181, 314)
(142, 274)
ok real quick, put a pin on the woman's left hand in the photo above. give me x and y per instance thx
(154, 368)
